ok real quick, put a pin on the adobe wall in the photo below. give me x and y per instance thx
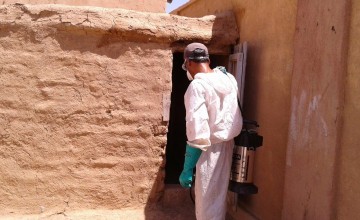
(348, 178)
(267, 96)
(316, 126)
(82, 110)
(81, 123)
(139, 5)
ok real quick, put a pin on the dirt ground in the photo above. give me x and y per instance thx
(159, 213)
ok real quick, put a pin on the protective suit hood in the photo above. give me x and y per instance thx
(218, 80)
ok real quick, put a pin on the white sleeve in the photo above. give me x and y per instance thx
(197, 118)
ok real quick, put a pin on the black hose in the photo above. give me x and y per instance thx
(191, 188)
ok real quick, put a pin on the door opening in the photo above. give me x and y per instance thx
(176, 136)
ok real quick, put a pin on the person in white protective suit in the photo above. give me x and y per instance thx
(213, 119)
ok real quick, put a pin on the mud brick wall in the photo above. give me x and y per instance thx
(81, 125)
(82, 108)
(155, 6)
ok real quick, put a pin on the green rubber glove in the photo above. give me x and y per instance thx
(191, 157)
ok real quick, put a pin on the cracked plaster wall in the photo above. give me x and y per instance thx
(81, 104)
(139, 5)
(81, 122)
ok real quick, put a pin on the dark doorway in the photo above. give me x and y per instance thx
(176, 137)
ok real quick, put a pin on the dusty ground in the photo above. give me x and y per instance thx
(180, 213)
(175, 204)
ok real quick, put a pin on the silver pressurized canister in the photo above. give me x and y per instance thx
(241, 176)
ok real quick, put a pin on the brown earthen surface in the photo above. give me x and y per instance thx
(139, 5)
(348, 176)
(317, 101)
(81, 124)
(81, 107)
(118, 25)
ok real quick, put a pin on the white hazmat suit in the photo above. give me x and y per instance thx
(213, 119)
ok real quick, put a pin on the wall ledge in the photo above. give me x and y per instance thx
(123, 25)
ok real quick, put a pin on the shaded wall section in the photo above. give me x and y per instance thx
(348, 178)
(267, 91)
(139, 5)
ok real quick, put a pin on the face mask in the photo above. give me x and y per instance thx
(189, 76)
